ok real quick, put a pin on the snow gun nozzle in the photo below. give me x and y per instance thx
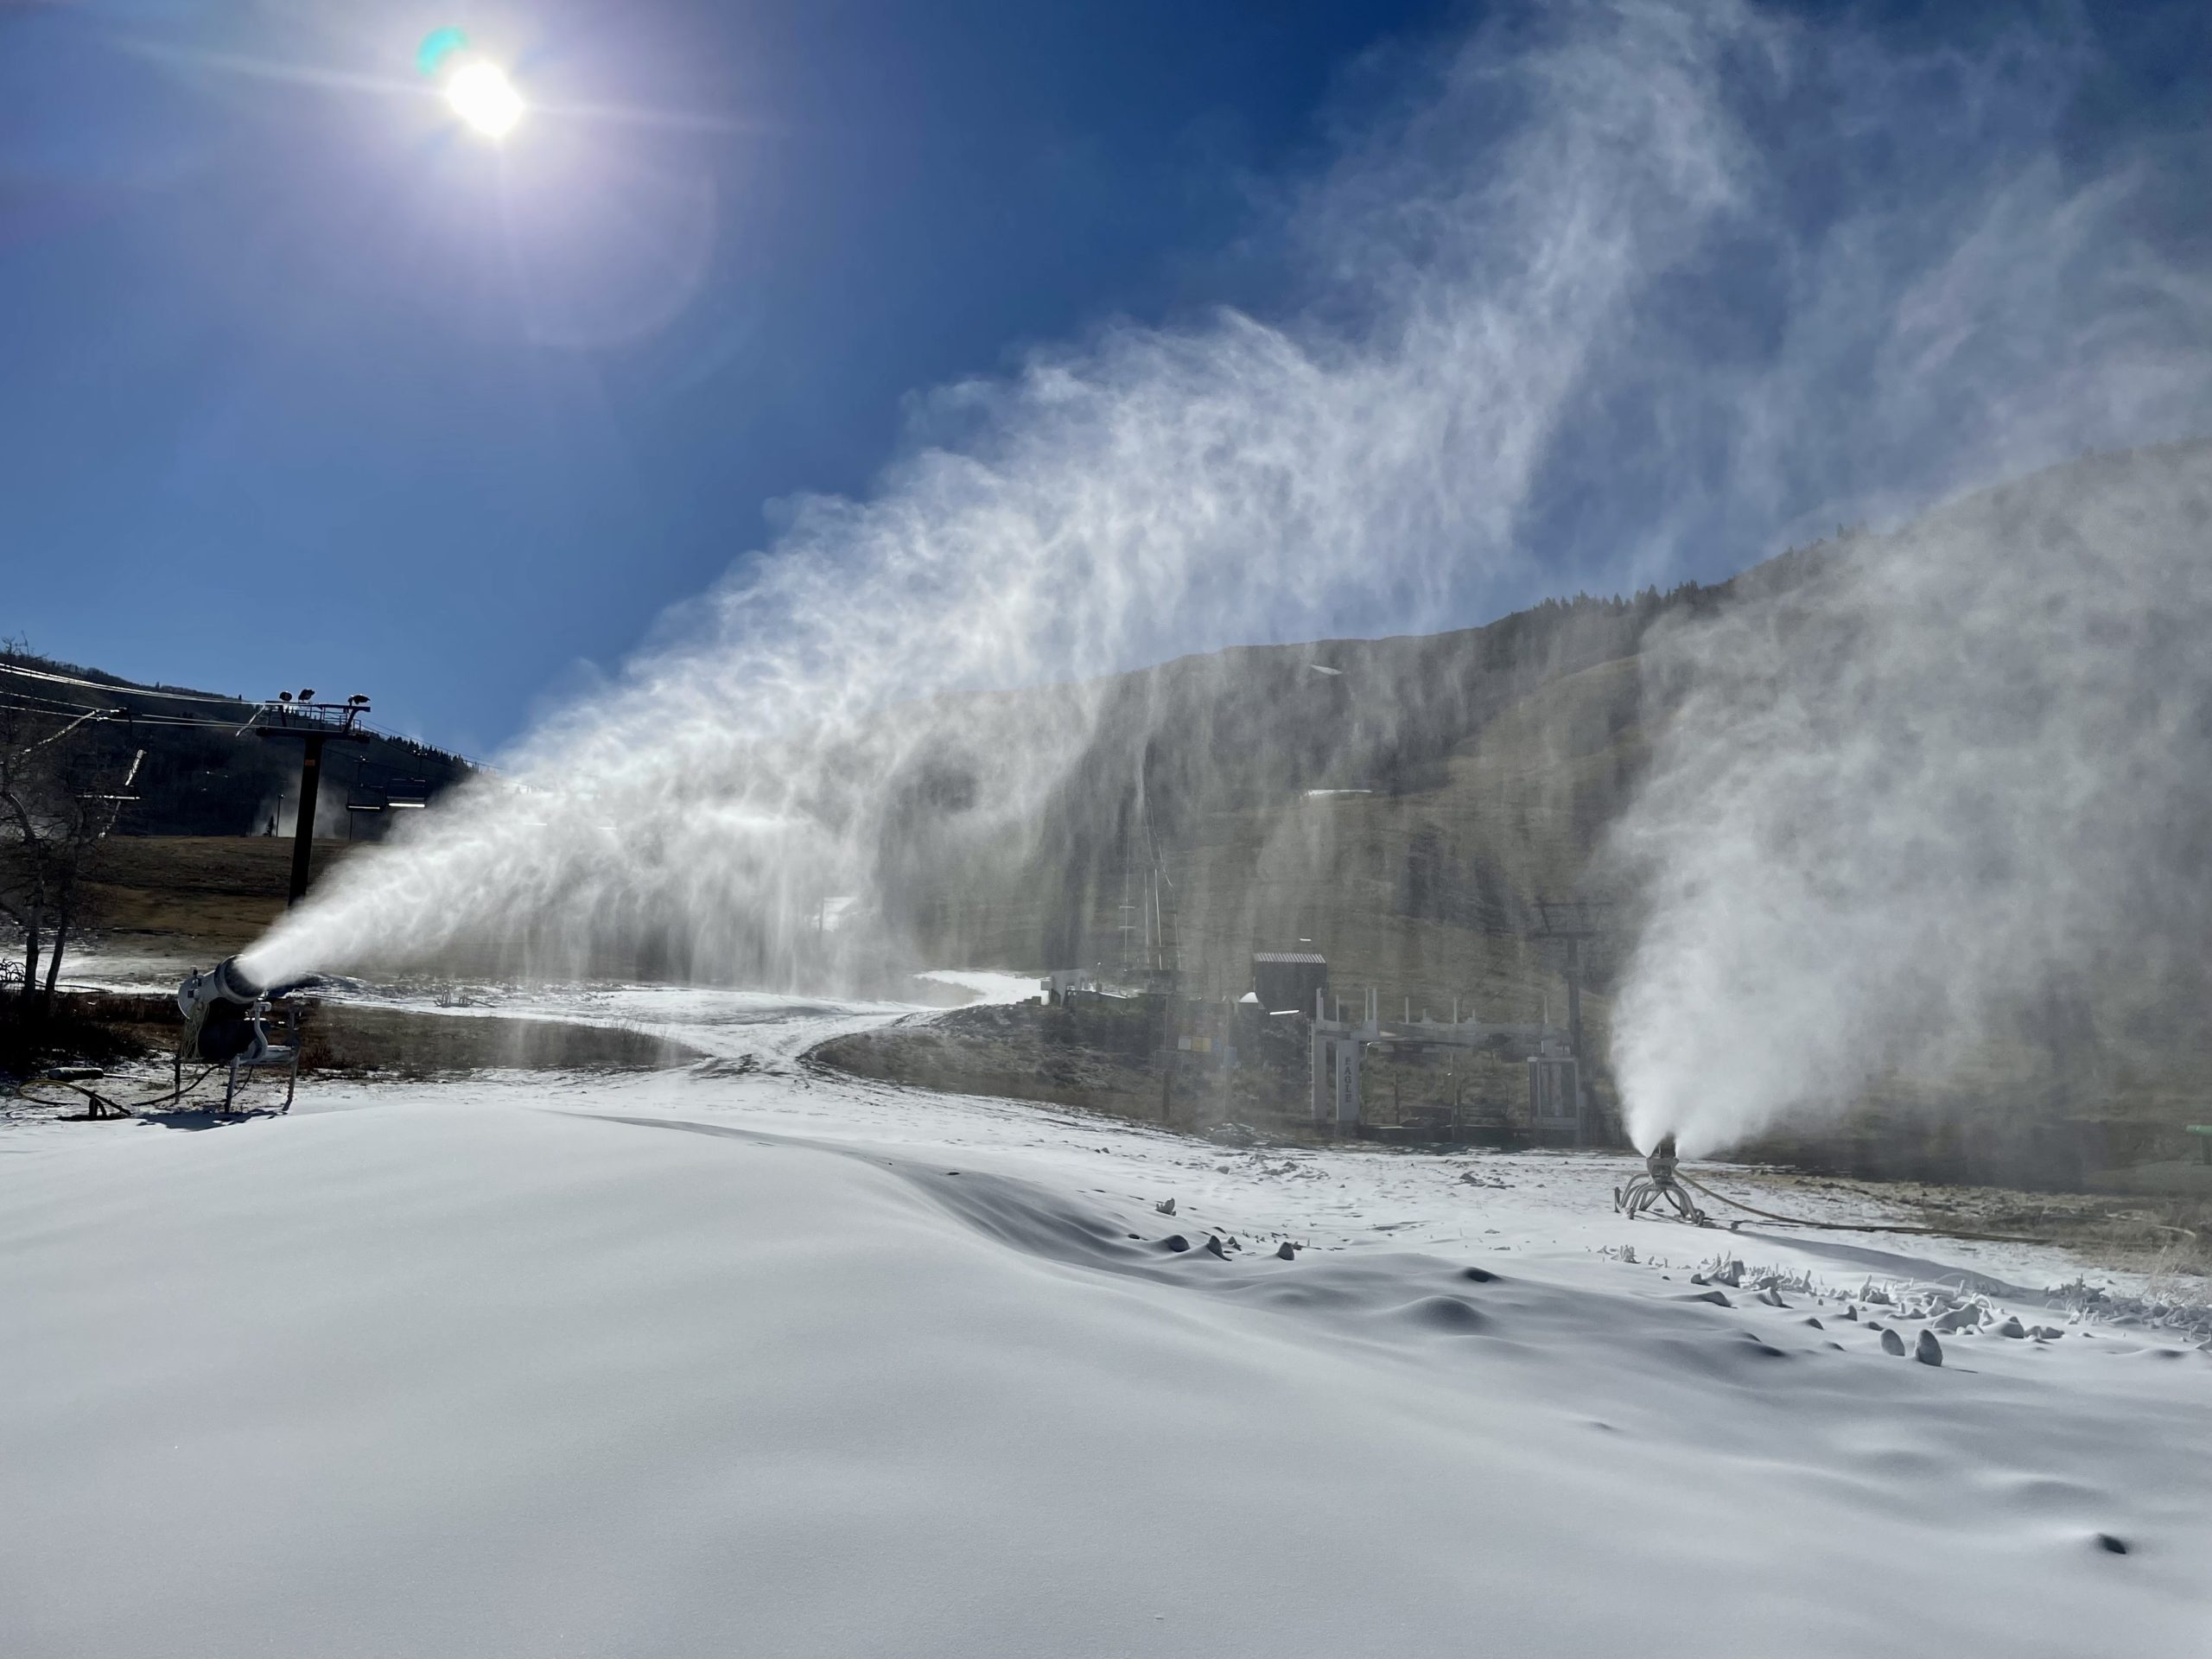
(224, 982)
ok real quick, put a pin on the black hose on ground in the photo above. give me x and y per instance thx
(100, 1104)
(1859, 1226)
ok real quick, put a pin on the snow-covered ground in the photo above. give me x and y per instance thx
(751, 1359)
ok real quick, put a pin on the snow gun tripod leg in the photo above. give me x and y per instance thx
(1642, 1195)
(1685, 1209)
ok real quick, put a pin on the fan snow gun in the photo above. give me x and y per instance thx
(225, 1010)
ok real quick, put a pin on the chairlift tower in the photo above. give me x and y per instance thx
(314, 724)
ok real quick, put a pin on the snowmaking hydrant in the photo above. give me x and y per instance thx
(224, 1011)
(1659, 1181)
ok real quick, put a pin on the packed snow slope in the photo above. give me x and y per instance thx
(751, 1360)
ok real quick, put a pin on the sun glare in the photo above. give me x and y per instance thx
(481, 95)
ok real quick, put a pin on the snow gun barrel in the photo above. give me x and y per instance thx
(225, 983)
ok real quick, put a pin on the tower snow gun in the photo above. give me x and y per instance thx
(225, 1024)
(1659, 1186)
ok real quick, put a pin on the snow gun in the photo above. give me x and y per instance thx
(225, 1010)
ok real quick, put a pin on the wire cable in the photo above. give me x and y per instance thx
(20, 672)
(31, 704)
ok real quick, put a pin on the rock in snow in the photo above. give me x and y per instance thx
(1930, 1351)
(1893, 1343)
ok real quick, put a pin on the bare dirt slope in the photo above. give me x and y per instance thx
(202, 895)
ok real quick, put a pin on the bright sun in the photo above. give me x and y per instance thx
(481, 95)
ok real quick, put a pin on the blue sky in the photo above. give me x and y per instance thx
(298, 383)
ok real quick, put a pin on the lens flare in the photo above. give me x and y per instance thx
(481, 95)
(437, 46)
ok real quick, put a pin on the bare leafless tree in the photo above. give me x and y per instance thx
(61, 794)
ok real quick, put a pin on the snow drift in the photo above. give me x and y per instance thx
(471, 1370)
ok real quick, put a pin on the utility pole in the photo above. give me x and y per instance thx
(1573, 921)
(314, 724)
(1128, 957)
